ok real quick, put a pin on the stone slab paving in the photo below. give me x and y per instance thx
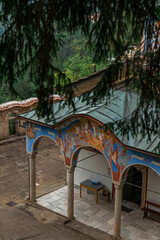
(101, 215)
(27, 221)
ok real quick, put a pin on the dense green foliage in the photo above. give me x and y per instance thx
(74, 59)
(80, 63)
(4, 93)
(34, 32)
(66, 50)
(24, 87)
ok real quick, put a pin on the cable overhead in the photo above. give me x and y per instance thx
(91, 170)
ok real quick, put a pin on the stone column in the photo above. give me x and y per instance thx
(70, 175)
(143, 193)
(32, 176)
(117, 210)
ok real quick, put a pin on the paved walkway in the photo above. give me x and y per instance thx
(21, 220)
(28, 222)
(101, 215)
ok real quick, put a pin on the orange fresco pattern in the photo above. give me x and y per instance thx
(88, 133)
(84, 132)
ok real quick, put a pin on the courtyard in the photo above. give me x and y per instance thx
(35, 222)
(101, 215)
(19, 219)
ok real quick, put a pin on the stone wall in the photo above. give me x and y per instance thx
(16, 107)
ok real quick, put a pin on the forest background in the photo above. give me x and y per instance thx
(73, 58)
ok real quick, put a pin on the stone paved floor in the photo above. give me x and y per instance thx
(101, 215)
(18, 218)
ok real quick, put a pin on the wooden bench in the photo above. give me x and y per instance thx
(147, 209)
(90, 186)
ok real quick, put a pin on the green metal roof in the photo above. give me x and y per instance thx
(121, 104)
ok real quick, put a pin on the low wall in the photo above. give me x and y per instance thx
(16, 108)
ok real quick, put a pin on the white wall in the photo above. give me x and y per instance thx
(98, 164)
(153, 189)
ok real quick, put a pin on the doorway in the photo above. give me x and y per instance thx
(133, 186)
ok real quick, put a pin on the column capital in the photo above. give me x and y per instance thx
(118, 184)
(32, 154)
(70, 168)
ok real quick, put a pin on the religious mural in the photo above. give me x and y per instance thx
(85, 132)
(30, 132)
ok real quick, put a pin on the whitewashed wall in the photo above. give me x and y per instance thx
(86, 169)
(153, 189)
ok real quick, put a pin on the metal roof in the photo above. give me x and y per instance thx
(121, 104)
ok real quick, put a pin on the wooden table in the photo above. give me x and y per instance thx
(90, 186)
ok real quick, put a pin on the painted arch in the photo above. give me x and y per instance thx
(77, 151)
(85, 132)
